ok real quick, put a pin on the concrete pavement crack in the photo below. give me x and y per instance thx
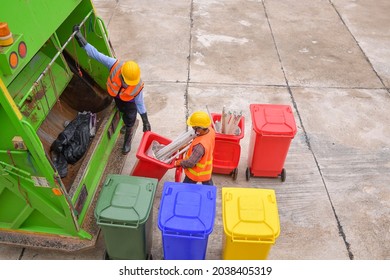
(189, 61)
(21, 254)
(307, 140)
(361, 49)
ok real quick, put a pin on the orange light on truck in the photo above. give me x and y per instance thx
(13, 60)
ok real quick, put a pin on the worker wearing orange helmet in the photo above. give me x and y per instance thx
(198, 161)
(124, 84)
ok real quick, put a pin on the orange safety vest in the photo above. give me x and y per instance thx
(203, 169)
(115, 86)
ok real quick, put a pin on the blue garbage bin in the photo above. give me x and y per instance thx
(186, 219)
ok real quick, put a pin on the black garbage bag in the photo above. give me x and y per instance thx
(60, 163)
(72, 143)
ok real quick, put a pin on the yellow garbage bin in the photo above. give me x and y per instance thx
(250, 221)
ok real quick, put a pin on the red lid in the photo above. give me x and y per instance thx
(269, 119)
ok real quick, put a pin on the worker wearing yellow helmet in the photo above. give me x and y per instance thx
(124, 84)
(198, 161)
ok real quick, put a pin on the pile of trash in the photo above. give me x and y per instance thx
(72, 143)
(166, 153)
(228, 124)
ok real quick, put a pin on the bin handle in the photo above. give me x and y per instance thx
(268, 241)
(210, 195)
(164, 228)
(228, 196)
(108, 181)
(173, 234)
(168, 191)
(123, 225)
(118, 225)
(277, 136)
(272, 241)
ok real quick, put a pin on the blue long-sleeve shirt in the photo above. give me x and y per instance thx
(109, 62)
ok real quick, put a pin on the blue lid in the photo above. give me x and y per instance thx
(187, 209)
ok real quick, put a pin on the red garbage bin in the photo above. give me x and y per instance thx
(273, 128)
(150, 167)
(227, 150)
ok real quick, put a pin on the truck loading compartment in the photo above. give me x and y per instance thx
(66, 110)
(78, 96)
(40, 89)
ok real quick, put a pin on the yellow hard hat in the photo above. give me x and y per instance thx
(131, 73)
(199, 119)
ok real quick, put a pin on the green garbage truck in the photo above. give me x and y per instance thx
(46, 81)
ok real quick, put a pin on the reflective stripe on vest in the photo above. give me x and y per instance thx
(203, 166)
(114, 85)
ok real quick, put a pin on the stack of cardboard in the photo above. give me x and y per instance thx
(172, 150)
(229, 122)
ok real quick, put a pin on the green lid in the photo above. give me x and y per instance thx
(125, 200)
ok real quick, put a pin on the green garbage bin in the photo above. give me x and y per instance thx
(123, 212)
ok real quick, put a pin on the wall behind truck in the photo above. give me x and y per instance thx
(36, 208)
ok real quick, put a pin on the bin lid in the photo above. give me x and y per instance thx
(125, 200)
(187, 209)
(270, 119)
(250, 214)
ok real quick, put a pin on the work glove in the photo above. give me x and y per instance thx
(178, 163)
(145, 121)
(79, 37)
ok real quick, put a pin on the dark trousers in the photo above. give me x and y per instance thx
(188, 180)
(128, 110)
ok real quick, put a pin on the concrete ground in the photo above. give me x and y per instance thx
(328, 59)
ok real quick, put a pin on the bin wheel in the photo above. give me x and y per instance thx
(283, 175)
(247, 174)
(234, 173)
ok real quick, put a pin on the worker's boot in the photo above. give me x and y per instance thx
(127, 142)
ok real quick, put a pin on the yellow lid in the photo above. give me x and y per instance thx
(250, 214)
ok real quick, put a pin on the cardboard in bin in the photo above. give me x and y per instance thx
(227, 149)
(229, 137)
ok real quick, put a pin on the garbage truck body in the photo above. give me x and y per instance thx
(46, 81)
